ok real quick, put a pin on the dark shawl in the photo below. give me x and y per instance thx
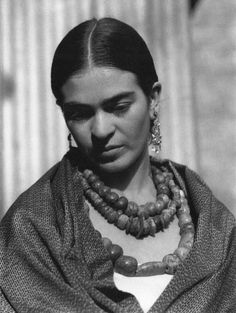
(53, 260)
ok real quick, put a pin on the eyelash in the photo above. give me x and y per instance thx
(121, 108)
(118, 109)
(73, 116)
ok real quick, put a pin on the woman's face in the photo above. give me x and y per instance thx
(109, 117)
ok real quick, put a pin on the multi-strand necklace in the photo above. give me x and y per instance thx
(143, 220)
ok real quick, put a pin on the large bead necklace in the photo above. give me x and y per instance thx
(143, 220)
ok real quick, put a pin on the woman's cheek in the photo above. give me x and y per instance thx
(141, 126)
(79, 133)
(82, 139)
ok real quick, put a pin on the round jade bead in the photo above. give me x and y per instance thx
(164, 197)
(84, 184)
(87, 173)
(122, 221)
(107, 243)
(111, 197)
(151, 208)
(171, 261)
(104, 190)
(112, 216)
(94, 195)
(132, 209)
(101, 205)
(156, 170)
(170, 176)
(167, 216)
(108, 212)
(159, 205)
(119, 212)
(135, 226)
(177, 201)
(162, 188)
(172, 204)
(92, 178)
(151, 268)
(104, 209)
(172, 210)
(158, 179)
(165, 174)
(126, 265)
(187, 240)
(184, 219)
(189, 227)
(172, 207)
(175, 189)
(181, 252)
(88, 193)
(98, 201)
(115, 252)
(97, 185)
(171, 183)
(184, 209)
(142, 211)
(121, 203)
(158, 221)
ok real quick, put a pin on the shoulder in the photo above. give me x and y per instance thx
(41, 204)
(200, 195)
(208, 210)
(32, 203)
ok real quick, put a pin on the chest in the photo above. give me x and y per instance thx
(144, 250)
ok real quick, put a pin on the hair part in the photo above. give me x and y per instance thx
(90, 64)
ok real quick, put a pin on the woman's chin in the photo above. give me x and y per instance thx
(118, 163)
(111, 165)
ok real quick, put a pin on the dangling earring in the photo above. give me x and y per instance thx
(69, 138)
(156, 134)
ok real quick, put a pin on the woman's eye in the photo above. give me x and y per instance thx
(77, 115)
(120, 108)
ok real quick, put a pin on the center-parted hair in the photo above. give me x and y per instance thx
(102, 43)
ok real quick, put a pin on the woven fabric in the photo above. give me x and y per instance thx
(53, 260)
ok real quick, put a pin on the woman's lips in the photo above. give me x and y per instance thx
(107, 153)
(109, 148)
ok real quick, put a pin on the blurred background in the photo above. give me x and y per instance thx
(193, 44)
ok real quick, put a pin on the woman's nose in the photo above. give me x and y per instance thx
(102, 126)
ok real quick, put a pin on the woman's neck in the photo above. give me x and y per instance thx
(135, 182)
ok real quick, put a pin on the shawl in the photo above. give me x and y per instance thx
(53, 260)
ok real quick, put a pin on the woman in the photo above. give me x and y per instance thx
(110, 229)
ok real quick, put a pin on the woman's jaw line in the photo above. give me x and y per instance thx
(132, 176)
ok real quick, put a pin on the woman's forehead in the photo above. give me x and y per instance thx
(99, 74)
(99, 83)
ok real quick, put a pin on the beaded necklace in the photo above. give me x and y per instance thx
(143, 220)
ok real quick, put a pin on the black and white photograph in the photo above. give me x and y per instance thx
(117, 156)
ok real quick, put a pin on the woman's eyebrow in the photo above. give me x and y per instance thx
(74, 105)
(118, 97)
(114, 98)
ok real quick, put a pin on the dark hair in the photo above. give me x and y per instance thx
(106, 42)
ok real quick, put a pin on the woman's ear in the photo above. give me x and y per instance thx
(61, 106)
(154, 99)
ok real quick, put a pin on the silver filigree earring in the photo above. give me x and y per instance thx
(69, 138)
(156, 134)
